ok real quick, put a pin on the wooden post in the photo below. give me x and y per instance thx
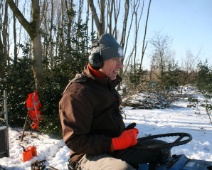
(24, 128)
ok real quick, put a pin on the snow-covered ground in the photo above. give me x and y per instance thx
(178, 118)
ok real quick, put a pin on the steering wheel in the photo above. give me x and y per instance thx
(182, 138)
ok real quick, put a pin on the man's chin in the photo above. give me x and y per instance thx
(113, 77)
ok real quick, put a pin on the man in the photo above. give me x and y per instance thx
(91, 121)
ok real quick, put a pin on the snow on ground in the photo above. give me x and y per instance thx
(177, 118)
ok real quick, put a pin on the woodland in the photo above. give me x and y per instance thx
(44, 43)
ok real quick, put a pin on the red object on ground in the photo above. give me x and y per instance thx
(28, 153)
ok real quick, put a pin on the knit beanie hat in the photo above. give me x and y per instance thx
(108, 47)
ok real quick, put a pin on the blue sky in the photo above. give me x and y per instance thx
(187, 22)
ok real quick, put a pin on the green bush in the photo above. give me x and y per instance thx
(18, 82)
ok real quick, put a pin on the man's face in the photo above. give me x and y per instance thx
(111, 67)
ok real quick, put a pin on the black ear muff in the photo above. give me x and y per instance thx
(96, 61)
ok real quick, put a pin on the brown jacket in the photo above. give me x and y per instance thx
(89, 114)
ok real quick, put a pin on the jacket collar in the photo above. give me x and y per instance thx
(102, 80)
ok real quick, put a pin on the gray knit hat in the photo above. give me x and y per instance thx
(108, 47)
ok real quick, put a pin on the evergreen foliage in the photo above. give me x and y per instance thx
(18, 81)
(204, 78)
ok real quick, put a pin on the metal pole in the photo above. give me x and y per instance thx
(6, 123)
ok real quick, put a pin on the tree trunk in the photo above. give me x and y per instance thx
(5, 34)
(70, 14)
(3, 37)
(32, 29)
(109, 16)
(144, 45)
(1, 58)
(37, 61)
(116, 15)
(15, 39)
(126, 13)
(100, 23)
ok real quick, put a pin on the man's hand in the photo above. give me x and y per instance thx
(126, 139)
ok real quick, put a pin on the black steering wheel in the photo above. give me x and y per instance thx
(182, 138)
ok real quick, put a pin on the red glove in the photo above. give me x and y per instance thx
(126, 139)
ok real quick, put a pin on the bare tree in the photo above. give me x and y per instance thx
(125, 41)
(15, 38)
(137, 14)
(144, 44)
(188, 68)
(46, 40)
(2, 61)
(116, 16)
(70, 12)
(2, 54)
(48, 26)
(5, 34)
(99, 21)
(32, 28)
(87, 19)
(161, 58)
(126, 14)
(110, 10)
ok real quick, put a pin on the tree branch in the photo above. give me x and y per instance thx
(94, 14)
(19, 15)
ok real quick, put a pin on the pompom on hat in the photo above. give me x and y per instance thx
(108, 47)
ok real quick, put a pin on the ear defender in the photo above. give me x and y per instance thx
(96, 61)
